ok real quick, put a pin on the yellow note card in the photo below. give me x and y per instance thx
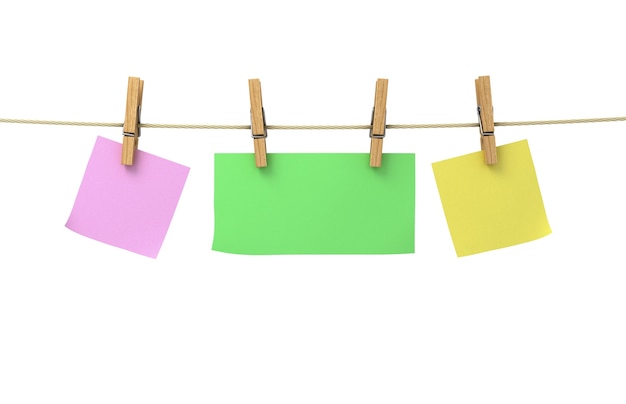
(491, 206)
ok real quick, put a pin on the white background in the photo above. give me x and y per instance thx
(84, 322)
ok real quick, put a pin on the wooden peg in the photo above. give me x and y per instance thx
(257, 119)
(132, 131)
(485, 119)
(379, 121)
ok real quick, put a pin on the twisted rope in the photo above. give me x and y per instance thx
(314, 127)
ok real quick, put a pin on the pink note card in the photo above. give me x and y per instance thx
(130, 207)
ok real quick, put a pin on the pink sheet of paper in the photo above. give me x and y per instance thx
(130, 207)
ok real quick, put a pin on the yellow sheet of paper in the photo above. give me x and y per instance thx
(491, 207)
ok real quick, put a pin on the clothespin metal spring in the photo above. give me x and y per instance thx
(480, 125)
(381, 135)
(259, 135)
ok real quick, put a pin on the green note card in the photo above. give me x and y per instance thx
(316, 203)
(491, 206)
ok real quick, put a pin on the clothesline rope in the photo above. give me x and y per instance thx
(314, 127)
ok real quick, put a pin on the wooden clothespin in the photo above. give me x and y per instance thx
(131, 120)
(485, 119)
(258, 124)
(379, 121)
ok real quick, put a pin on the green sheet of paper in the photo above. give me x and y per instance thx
(314, 204)
(491, 207)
